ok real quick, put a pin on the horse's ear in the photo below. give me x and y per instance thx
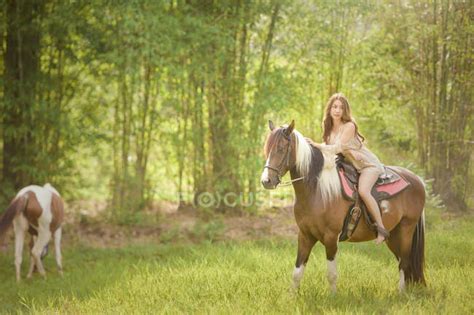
(271, 125)
(290, 128)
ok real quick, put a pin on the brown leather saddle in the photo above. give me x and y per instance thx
(389, 184)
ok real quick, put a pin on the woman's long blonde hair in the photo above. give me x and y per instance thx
(346, 117)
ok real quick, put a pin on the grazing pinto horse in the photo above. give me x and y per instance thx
(320, 210)
(40, 211)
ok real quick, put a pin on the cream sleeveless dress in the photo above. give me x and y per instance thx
(357, 153)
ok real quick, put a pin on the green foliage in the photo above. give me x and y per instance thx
(143, 100)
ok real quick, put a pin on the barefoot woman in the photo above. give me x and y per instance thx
(340, 131)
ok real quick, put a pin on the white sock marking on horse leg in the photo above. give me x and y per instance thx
(32, 266)
(401, 285)
(332, 274)
(19, 240)
(20, 225)
(298, 273)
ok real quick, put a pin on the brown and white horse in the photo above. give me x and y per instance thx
(40, 211)
(319, 208)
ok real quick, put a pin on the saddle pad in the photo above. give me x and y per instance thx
(380, 191)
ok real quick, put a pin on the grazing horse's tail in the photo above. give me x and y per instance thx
(15, 207)
(417, 255)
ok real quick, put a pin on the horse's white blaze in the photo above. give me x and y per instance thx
(297, 276)
(329, 184)
(332, 274)
(264, 177)
(385, 206)
(401, 285)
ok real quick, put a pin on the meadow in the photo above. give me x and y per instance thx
(242, 277)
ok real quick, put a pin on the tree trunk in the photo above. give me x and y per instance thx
(22, 68)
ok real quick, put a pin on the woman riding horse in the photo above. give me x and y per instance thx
(340, 132)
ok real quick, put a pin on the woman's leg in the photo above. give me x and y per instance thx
(367, 179)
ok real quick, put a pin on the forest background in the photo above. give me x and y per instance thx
(137, 102)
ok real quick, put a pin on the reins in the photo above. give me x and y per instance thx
(290, 182)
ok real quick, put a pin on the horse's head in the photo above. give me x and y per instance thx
(279, 153)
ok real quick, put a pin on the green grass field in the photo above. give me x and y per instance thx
(246, 277)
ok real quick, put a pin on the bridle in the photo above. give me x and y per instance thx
(286, 160)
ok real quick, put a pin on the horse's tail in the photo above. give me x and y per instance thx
(15, 207)
(417, 255)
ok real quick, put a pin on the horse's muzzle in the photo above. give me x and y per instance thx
(268, 184)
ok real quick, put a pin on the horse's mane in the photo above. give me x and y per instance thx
(317, 167)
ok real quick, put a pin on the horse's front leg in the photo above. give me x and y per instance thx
(331, 249)
(57, 250)
(305, 244)
(44, 235)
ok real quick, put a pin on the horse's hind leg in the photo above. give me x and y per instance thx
(57, 249)
(44, 236)
(305, 245)
(19, 240)
(32, 259)
(393, 244)
(405, 243)
(20, 225)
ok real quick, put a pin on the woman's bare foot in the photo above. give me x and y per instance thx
(380, 239)
(382, 235)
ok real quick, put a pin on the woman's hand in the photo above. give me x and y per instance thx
(314, 144)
